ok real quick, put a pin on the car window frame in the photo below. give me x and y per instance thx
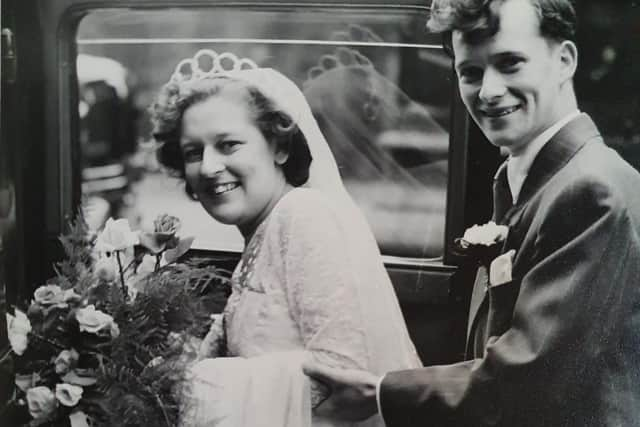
(68, 176)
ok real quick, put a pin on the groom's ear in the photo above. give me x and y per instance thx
(568, 53)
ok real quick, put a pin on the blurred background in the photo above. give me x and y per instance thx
(380, 87)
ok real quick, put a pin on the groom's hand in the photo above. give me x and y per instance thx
(353, 392)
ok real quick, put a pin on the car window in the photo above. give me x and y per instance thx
(380, 88)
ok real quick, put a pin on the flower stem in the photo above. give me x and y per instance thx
(6, 355)
(47, 340)
(124, 287)
(164, 412)
(129, 266)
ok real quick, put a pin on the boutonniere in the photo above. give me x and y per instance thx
(481, 243)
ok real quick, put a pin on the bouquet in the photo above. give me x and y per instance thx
(108, 340)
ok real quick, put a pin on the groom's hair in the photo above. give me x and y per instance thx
(275, 125)
(479, 19)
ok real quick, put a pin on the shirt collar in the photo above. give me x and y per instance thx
(518, 166)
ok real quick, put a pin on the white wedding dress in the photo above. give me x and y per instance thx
(310, 284)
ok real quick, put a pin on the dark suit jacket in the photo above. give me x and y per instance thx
(560, 344)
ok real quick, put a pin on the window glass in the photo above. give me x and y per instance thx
(386, 117)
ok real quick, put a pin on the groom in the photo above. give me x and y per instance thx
(556, 342)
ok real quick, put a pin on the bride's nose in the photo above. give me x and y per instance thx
(212, 162)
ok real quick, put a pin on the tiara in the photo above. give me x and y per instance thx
(217, 68)
(342, 57)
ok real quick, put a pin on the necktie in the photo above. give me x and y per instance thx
(502, 199)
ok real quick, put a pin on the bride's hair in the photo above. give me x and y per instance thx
(276, 126)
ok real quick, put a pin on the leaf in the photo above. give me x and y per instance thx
(152, 242)
(73, 378)
(172, 255)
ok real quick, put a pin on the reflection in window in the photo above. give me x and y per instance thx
(378, 87)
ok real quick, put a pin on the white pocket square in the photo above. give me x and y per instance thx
(500, 269)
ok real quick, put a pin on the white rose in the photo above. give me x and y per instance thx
(49, 295)
(486, 234)
(165, 223)
(92, 320)
(106, 268)
(41, 402)
(116, 236)
(68, 394)
(18, 327)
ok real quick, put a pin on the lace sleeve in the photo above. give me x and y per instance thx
(319, 282)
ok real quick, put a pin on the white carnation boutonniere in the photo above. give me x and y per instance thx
(486, 235)
(483, 244)
(480, 241)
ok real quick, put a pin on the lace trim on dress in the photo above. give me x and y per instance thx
(244, 272)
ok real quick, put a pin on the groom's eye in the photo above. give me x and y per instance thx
(470, 74)
(509, 64)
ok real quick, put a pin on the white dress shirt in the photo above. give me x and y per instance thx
(518, 166)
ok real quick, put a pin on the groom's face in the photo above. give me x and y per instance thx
(510, 81)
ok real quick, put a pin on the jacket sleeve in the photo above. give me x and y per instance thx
(574, 299)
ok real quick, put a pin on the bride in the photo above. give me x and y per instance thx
(311, 283)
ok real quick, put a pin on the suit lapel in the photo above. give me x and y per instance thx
(553, 156)
(502, 202)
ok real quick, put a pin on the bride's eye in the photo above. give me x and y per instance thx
(192, 154)
(228, 146)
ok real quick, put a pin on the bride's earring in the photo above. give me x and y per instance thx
(282, 152)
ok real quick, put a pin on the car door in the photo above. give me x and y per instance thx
(386, 101)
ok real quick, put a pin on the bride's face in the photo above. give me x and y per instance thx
(234, 171)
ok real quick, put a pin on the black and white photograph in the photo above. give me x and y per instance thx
(320, 213)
